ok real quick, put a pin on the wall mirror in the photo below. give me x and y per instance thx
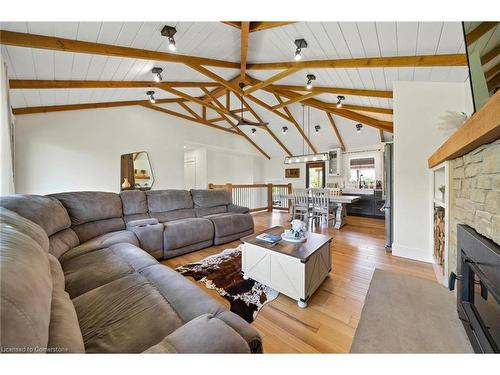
(136, 172)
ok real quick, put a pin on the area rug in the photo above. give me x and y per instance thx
(404, 314)
(222, 272)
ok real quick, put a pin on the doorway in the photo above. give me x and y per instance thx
(190, 174)
(315, 174)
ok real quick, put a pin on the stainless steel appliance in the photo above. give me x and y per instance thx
(388, 194)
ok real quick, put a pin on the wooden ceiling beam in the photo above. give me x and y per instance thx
(335, 90)
(294, 122)
(297, 99)
(186, 117)
(70, 45)
(272, 79)
(258, 25)
(487, 57)
(227, 84)
(75, 107)
(381, 134)
(268, 129)
(368, 62)
(221, 111)
(78, 84)
(336, 130)
(245, 30)
(492, 72)
(190, 110)
(194, 99)
(479, 31)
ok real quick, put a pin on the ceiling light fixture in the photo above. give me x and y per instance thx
(151, 96)
(358, 128)
(316, 128)
(157, 73)
(339, 102)
(169, 32)
(254, 131)
(310, 78)
(300, 43)
(284, 129)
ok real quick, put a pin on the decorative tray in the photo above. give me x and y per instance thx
(293, 239)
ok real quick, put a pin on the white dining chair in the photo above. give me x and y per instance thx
(301, 204)
(321, 208)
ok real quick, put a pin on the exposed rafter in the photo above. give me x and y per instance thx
(68, 84)
(381, 135)
(257, 25)
(186, 117)
(74, 107)
(335, 90)
(245, 29)
(190, 110)
(227, 84)
(272, 79)
(336, 130)
(479, 31)
(297, 99)
(294, 122)
(368, 62)
(70, 45)
(487, 57)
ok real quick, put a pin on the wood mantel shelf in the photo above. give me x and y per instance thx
(483, 127)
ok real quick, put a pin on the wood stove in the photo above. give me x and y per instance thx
(478, 289)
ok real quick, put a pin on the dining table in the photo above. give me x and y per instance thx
(339, 200)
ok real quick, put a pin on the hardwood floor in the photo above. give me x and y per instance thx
(328, 324)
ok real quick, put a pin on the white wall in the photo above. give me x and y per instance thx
(418, 108)
(80, 150)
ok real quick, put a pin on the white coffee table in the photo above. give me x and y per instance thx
(294, 269)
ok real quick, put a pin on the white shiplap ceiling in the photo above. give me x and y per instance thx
(327, 40)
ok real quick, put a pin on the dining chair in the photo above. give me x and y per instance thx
(322, 211)
(301, 204)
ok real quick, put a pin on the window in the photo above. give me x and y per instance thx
(362, 172)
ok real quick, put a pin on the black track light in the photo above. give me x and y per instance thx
(151, 96)
(254, 131)
(169, 32)
(157, 72)
(300, 43)
(284, 129)
(358, 128)
(310, 79)
(339, 101)
(317, 128)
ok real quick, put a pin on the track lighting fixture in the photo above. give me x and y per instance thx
(169, 32)
(339, 102)
(316, 128)
(310, 78)
(359, 127)
(254, 131)
(151, 96)
(157, 73)
(300, 43)
(284, 129)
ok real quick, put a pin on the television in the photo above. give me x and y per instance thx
(482, 43)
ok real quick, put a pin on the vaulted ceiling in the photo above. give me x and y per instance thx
(69, 65)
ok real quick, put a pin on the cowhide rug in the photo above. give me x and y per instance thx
(222, 272)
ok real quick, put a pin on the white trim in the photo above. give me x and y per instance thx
(411, 252)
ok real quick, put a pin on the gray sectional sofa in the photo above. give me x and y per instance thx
(79, 274)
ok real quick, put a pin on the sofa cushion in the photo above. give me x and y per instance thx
(196, 336)
(183, 213)
(87, 206)
(47, 212)
(134, 202)
(231, 223)
(25, 226)
(64, 331)
(211, 198)
(238, 209)
(93, 229)
(168, 200)
(128, 315)
(206, 211)
(26, 292)
(100, 242)
(185, 232)
(62, 241)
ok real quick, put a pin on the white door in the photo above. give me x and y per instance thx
(189, 174)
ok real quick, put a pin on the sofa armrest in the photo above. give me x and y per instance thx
(204, 334)
(141, 222)
(149, 232)
(237, 209)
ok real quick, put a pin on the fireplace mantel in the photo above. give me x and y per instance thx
(483, 127)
